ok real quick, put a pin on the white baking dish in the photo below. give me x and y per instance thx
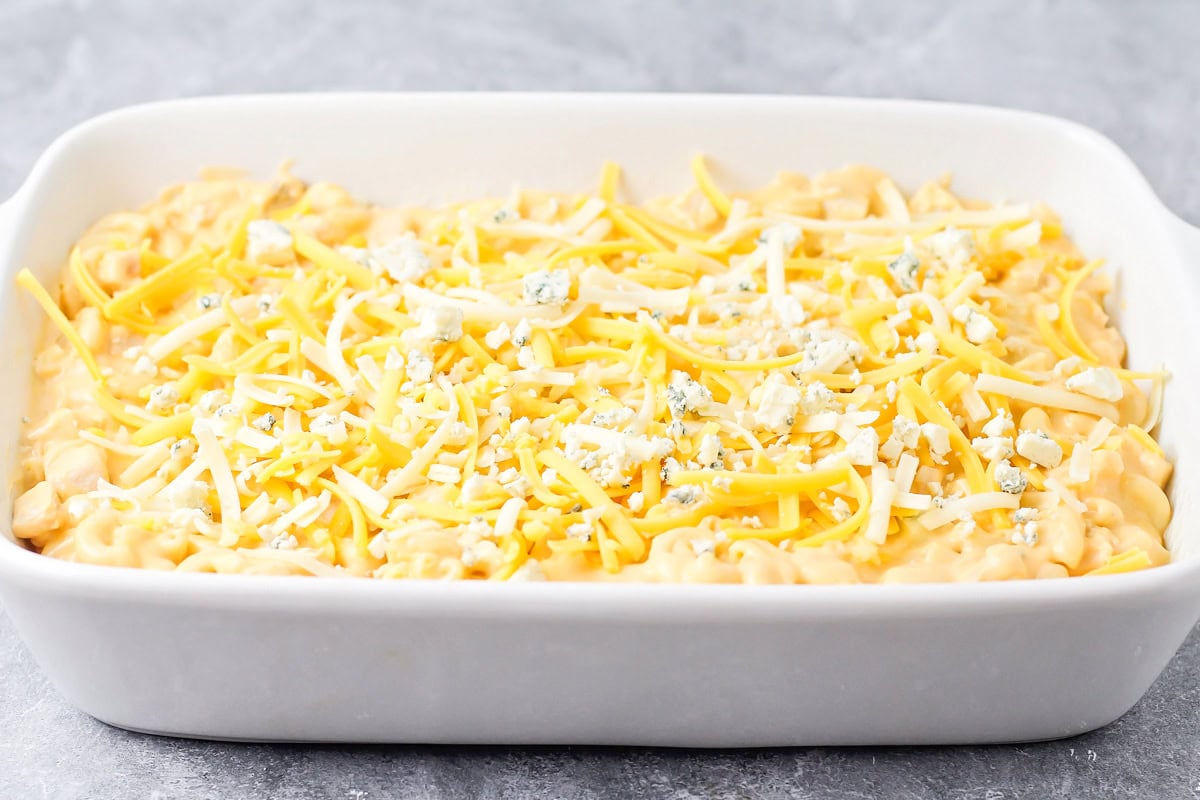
(303, 659)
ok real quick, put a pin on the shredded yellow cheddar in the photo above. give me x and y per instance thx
(822, 380)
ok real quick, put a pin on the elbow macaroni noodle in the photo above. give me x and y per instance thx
(821, 381)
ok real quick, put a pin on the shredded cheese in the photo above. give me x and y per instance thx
(967, 506)
(573, 385)
(1045, 396)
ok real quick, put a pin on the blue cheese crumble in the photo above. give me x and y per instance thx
(547, 287)
(685, 394)
(904, 268)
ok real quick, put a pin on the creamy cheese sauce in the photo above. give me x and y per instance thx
(821, 381)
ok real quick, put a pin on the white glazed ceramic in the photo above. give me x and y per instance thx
(355, 660)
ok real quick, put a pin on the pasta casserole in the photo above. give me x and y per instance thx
(824, 380)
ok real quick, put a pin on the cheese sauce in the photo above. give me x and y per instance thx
(821, 381)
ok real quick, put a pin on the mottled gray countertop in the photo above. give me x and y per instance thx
(1130, 70)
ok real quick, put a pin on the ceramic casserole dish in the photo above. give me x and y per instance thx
(276, 658)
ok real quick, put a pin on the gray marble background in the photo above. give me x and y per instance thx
(1129, 69)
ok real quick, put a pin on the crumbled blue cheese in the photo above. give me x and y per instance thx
(617, 416)
(211, 400)
(993, 448)
(402, 260)
(1009, 478)
(891, 390)
(840, 510)
(189, 494)
(522, 333)
(420, 367)
(1039, 448)
(862, 449)
(978, 327)
(778, 403)
(519, 427)
(330, 427)
(677, 428)
(284, 541)
(227, 420)
(710, 453)
(998, 425)
(473, 488)
(145, 366)
(581, 531)
(1025, 534)
(953, 247)
(827, 351)
(497, 337)
(228, 410)
(268, 242)
(359, 255)
(926, 340)
(526, 358)
(392, 361)
(615, 453)
(265, 423)
(163, 397)
(684, 495)
(816, 397)
(208, 301)
(670, 466)
(479, 528)
(678, 331)
(904, 270)
(702, 546)
(636, 502)
(905, 435)
(789, 310)
(1098, 382)
(547, 287)
(1023, 515)
(514, 482)
(938, 439)
(442, 323)
(685, 394)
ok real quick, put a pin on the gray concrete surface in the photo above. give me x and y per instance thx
(1128, 69)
